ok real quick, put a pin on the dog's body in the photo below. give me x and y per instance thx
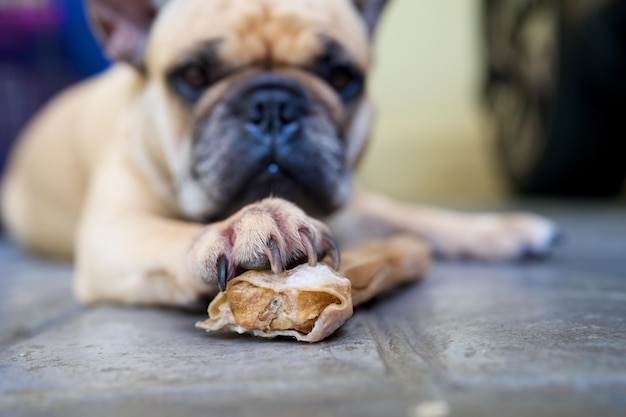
(172, 177)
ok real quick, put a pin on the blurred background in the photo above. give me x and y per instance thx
(430, 142)
(45, 45)
(477, 100)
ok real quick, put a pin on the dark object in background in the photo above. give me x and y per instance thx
(556, 89)
(44, 46)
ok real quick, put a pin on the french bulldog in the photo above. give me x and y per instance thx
(223, 139)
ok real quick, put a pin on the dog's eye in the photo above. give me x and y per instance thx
(345, 80)
(195, 77)
(191, 80)
(340, 78)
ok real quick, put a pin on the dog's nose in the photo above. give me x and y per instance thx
(274, 111)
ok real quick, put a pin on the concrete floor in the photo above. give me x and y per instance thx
(534, 339)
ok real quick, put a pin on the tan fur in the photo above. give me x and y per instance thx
(102, 172)
(47, 179)
(284, 31)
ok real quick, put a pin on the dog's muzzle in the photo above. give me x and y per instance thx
(271, 112)
(272, 137)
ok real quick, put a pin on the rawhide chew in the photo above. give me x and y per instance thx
(308, 303)
(376, 266)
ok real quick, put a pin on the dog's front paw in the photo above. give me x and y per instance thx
(271, 234)
(497, 237)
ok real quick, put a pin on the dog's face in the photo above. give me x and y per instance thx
(255, 98)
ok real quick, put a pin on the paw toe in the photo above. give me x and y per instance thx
(544, 243)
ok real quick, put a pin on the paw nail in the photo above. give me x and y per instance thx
(309, 246)
(222, 272)
(332, 250)
(273, 254)
(557, 238)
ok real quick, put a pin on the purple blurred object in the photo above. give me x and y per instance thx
(20, 24)
(32, 65)
(43, 48)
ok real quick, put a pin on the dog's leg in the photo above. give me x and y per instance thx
(145, 259)
(451, 234)
(136, 259)
(132, 251)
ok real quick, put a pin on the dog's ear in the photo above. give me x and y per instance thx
(122, 27)
(371, 11)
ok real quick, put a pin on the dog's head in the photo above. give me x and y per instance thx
(249, 98)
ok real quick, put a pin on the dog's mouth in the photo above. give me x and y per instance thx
(273, 179)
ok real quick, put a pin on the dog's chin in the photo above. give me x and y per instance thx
(274, 181)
